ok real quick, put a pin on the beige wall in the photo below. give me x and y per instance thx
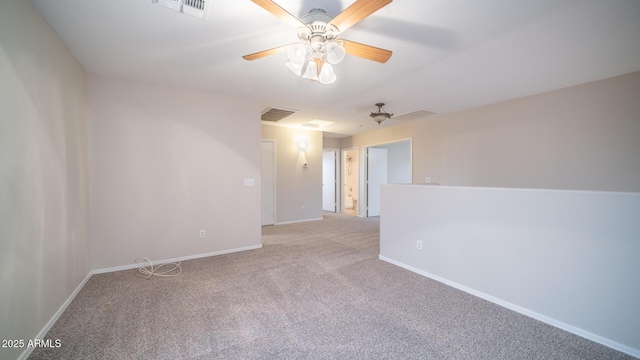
(44, 244)
(166, 163)
(585, 137)
(298, 189)
(331, 143)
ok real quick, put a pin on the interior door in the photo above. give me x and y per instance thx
(268, 183)
(376, 176)
(329, 181)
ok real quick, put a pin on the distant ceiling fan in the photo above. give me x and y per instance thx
(319, 46)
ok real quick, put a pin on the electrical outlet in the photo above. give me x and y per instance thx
(202, 234)
(419, 245)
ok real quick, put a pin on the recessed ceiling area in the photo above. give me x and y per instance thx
(447, 55)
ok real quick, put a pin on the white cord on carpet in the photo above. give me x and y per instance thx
(152, 270)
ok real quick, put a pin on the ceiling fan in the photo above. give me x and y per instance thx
(319, 46)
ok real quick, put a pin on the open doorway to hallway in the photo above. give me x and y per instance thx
(384, 163)
(350, 181)
(330, 176)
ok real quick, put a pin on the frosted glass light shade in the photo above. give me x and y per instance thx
(311, 72)
(327, 76)
(295, 68)
(297, 53)
(335, 53)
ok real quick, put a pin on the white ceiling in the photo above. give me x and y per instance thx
(448, 55)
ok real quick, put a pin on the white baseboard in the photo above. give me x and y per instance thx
(298, 221)
(182, 258)
(545, 319)
(41, 335)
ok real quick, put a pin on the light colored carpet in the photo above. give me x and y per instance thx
(315, 290)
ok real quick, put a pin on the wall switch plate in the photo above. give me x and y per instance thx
(428, 180)
(202, 234)
(419, 245)
(249, 182)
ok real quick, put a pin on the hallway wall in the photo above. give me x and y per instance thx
(163, 167)
(44, 220)
(583, 137)
(298, 188)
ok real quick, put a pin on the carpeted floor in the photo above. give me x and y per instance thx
(315, 290)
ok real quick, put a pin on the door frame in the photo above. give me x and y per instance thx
(337, 179)
(362, 210)
(381, 170)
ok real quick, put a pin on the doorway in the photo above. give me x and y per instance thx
(389, 162)
(330, 180)
(377, 174)
(268, 182)
(350, 181)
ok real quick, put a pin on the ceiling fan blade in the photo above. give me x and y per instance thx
(366, 51)
(357, 12)
(265, 53)
(280, 13)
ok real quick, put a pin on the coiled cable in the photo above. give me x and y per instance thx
(153, 270)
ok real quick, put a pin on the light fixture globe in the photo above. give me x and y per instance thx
(295, 68)
(380, 115)
(335, 52)
(327, 76)
(297, 53)
(311, 72)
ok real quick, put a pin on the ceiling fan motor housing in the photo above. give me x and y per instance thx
(318, 28)
(317, 42)
(316, 15)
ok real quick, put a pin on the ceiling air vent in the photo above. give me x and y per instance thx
(196, 8)
(275, 115)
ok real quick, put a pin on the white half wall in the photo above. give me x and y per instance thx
(569, 258)
(166, 163)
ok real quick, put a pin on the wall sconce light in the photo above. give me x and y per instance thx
(302, 145)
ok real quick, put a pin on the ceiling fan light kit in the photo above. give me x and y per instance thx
(304, 57)
(319, 47)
